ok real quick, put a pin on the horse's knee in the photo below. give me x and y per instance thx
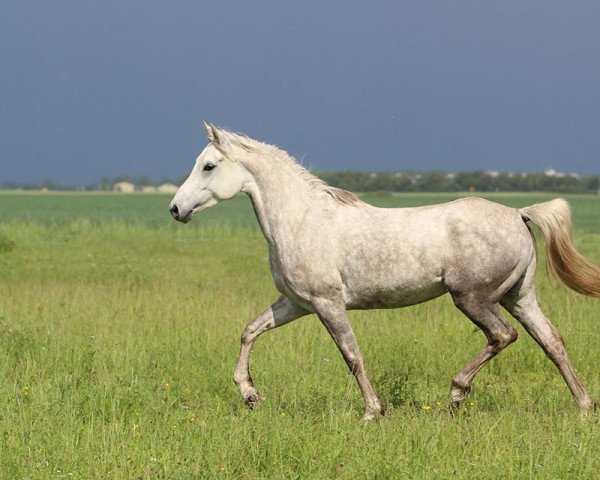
(354, 362)
(246, 336)
(249, 335)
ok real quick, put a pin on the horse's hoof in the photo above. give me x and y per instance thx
(588, 408)
(251, 398)
(458, 395)
(455, 404)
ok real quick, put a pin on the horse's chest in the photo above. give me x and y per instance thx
(289, 277)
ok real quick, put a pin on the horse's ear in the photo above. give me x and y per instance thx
(207, 130)
(213, 134)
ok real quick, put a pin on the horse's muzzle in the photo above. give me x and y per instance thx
(178, 215)
(174, 211)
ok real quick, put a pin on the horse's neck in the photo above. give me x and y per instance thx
(280, 198)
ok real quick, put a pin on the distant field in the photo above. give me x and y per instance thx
(119, 332)
(152, 209)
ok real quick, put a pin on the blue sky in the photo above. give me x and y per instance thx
(93, 89)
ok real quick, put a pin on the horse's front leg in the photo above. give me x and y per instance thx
(281, 312)
(333, 316)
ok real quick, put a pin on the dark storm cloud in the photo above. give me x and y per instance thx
(89, 89)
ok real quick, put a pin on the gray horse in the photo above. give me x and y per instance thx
(330, 252)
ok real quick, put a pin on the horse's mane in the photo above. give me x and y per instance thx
(282, 157)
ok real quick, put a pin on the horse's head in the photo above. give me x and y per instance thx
(216, 176)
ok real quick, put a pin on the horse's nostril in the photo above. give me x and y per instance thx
(174, 211)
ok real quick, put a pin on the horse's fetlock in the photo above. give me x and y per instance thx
(459, 383)
(373, 412)
(241, 379)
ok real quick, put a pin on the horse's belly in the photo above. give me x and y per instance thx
(366, 296)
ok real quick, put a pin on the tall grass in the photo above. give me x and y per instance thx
(119, 335)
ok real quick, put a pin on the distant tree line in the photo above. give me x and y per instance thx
(462, 181)
(435, 181)
(105, 183)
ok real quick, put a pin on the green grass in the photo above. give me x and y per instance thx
(119, 332)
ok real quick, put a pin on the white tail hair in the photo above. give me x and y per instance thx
(554, 220)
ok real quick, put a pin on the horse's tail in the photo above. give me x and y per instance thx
(554, 220)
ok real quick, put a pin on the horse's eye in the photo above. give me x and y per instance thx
(208, 167)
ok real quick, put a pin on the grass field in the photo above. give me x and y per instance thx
(119, 333)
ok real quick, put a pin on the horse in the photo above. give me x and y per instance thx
(330, 252)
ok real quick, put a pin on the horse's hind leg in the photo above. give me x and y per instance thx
(499, 335)
(527, 311)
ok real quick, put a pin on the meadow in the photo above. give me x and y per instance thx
(119, 333)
